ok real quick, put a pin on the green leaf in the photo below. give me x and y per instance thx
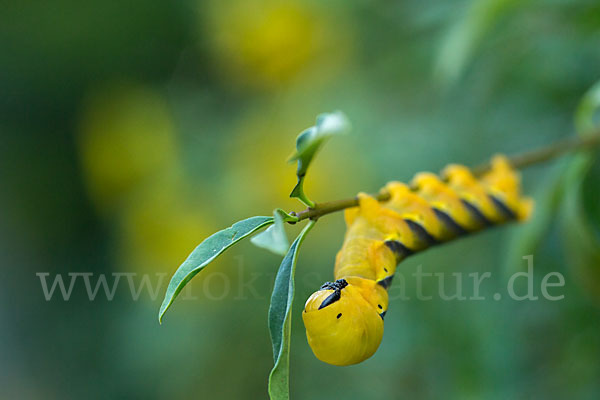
(206, 252)
(309, 142)
(274, 238)
(280, 322)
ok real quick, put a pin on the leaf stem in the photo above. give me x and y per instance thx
(519, 161)
(303, 198)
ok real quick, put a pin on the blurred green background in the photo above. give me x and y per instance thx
(132, 130)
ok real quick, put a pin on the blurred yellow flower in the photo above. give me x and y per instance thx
(130, 161)
(268, 43)
(126, 136)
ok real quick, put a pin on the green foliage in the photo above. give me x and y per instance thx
(274, 238)
(581, 237)
(206, 252)
(280, 322)
(466, 35)
(309, 142)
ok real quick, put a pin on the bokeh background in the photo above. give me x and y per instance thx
(132, 130)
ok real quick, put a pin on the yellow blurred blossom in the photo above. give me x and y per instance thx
(126, 136)
(268, 43)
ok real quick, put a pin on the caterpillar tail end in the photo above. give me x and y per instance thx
(504, 183)
(525, 209)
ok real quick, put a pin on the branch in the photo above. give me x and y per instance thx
(518, 161)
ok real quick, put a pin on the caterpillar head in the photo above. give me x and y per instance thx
(344, 320)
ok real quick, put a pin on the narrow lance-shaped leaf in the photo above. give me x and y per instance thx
(280, 322)
(206, 252)
(274, 238)
(309, 142)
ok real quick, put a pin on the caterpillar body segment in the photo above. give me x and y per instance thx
(414, 208)
(473, 195)
(344, 318)
(445, 200)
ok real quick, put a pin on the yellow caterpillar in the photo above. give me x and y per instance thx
(344, 318)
